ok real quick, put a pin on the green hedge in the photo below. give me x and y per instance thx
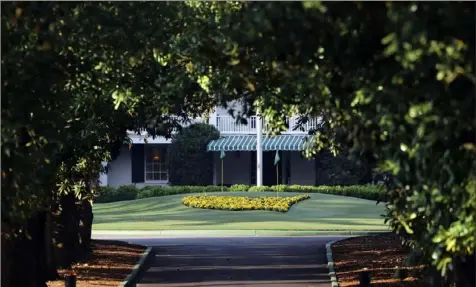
(130, 192)
(170, 190)
(110, 194)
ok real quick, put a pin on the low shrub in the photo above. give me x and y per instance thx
(127, 192)
(259, 188)
(370, 192)
(146, 192)
(278, 188)
(105, 194)
(239, 187)
(153, 191)
(234, 203)
(109, 194)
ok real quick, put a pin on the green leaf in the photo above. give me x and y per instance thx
(440, 75)
(391, 49)
(204, 82)
(469, 146)
(388, 39)
(318, 5)
(406, 226)
(235, 62)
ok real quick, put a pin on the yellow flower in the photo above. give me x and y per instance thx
(280, 204)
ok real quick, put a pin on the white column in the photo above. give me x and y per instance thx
(259, 150)
(103, 176)
(213, 118)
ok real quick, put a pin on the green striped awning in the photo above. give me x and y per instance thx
(233, 143)
(284, 142)
(248, 143)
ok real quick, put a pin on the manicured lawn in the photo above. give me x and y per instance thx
(320, 212)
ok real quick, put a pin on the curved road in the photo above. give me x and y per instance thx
(235, 261)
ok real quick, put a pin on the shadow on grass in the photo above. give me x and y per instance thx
(169, 213)
(166, 204)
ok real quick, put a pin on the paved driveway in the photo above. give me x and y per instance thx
(236, 261)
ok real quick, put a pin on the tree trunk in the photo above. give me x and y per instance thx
(367, 174)
(8, 262)
(69, 230)
(465, 272)
(87, 217)
(51, 272)
(38, 239)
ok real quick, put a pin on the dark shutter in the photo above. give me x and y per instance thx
(137, 163)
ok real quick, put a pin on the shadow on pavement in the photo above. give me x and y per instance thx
(238, 263)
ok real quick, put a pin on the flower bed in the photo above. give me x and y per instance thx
(281, 204)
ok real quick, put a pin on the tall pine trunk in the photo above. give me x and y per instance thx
(86, 217)
(51, 271)
(86, 224)
(69, 230)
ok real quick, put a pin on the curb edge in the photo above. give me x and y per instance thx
(250, 232)
(330, 263)
(137, 268)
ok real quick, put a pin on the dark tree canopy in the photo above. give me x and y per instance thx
(188, 161)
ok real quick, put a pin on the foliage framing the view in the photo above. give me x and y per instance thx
(396, 78)
(69, 71)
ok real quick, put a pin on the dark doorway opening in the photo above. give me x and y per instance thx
(269, 169)
(253, 168)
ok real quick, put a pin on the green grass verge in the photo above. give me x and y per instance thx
(129, 192)
(320, 212)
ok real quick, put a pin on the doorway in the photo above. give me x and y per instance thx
(269, 169)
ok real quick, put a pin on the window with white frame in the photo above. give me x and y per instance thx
(155, 164)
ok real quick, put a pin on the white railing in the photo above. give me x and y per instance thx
(229, 125)
(183, 124)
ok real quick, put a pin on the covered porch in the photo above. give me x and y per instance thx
(239, 161)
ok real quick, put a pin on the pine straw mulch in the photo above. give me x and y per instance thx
(380, 254)
(109, 264)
